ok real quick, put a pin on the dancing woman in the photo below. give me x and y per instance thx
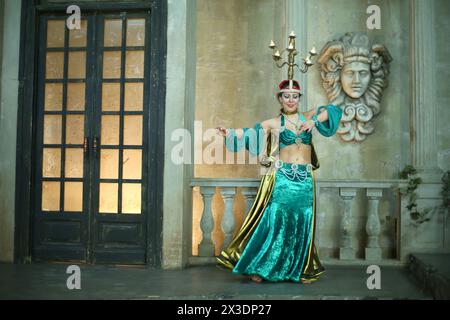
(276, 239)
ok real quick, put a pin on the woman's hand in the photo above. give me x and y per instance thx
(307, 126)
(224, 132)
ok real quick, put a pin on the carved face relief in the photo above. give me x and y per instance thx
(354, 73)
(355, 78)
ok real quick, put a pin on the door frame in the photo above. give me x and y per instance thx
(26, 126)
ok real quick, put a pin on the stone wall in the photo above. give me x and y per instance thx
(442, 31)
(235, 74)
(2, 5)
(8, 125)
(180, 99)
(433, 235)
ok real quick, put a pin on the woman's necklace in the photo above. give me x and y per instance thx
(296, 125)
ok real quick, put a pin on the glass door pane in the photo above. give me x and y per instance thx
(64, 118)
(121, 114)
(61, 215)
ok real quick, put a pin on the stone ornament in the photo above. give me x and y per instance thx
(355, 73)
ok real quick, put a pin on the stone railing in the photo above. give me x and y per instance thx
(347, 190)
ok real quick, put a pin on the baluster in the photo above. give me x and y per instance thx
(373, 250)
(346, 251)
(206, 247)
(228, 221)
(249, 194)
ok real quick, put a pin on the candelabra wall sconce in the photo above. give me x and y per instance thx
(291, 53)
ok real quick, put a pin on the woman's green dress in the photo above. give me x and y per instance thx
(276, 240)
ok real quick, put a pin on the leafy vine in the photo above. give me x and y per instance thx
(410, 173)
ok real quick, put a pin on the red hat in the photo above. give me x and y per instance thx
(289, 86)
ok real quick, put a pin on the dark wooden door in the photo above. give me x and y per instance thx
(91, 151)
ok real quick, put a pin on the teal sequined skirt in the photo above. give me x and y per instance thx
(278, 248)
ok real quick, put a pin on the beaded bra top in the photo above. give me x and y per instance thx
(288, 137)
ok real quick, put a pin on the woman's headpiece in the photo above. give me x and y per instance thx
(289, 86)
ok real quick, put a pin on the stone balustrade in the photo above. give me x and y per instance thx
(347, 190)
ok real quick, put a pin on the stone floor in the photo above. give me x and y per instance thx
(431, 272)
(48, 281)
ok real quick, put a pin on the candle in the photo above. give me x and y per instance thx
(292, 35)
(272, 44)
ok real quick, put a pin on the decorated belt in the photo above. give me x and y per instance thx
(294, 171)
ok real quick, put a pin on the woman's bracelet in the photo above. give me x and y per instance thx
(315, 119)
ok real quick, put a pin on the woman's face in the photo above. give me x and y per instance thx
(289, 100)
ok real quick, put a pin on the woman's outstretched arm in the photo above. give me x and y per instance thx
(252, 139)
(325, 118)
(225, 132)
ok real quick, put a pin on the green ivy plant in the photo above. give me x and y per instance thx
(410, 173)
(445, 193)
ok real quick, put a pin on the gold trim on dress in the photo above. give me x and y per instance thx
(230, 256)
(313, 268)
